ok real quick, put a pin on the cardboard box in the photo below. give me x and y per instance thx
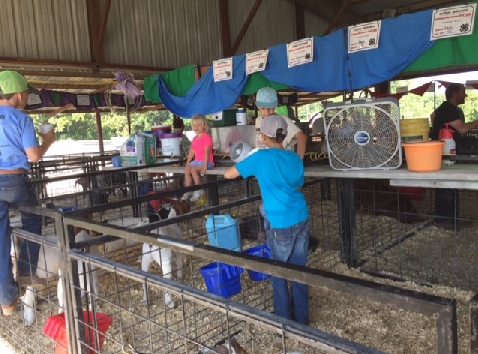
(140, 149)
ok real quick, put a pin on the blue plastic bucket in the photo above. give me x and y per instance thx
(116, 161)
(67, 209)
(222, 279)
(258, 251)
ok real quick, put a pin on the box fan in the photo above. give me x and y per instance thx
(363, 134)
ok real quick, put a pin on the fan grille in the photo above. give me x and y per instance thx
(364, 136)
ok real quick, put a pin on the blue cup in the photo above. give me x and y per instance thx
(116, 161)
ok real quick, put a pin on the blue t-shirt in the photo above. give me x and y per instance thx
(280, 174)
(16, 134)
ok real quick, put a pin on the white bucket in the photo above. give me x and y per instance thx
(171, 146)
(241, 117)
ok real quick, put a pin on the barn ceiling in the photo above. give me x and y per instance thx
(77, 45)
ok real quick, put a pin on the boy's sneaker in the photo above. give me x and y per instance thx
(197, 195)
(10, 309)
(187, 195)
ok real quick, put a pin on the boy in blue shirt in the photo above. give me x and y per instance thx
(18, 144)
(280, 174)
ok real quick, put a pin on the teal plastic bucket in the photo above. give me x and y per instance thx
(223, 232)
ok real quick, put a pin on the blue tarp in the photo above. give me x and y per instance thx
(402, 41)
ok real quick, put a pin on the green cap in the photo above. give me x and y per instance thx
(12, 82)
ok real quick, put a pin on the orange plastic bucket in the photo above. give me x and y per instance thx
(424, 156)
(55, 328)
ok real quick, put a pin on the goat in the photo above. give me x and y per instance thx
(230, 346)
(48, 266)
(163, 256)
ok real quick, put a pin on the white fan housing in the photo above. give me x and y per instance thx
(364, 134)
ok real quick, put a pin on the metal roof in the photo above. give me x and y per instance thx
(76, 45)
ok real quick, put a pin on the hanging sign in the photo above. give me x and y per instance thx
(453, 21)
(256, 61)
(364, 36)
(300, 52)
(33, 99)
(222, 69)
(83, 100)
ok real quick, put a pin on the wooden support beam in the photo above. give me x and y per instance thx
(328, 10)
(102, 29)
(336, 18)
(417, 6)
(245, 26)
(128, 118)
(99, 129)
(225, 28)
(93, 20)
(52, 66)
(299, 21)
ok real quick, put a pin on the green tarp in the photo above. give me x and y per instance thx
(449, 52)
(178, 81)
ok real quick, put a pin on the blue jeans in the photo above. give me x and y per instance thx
(200, 163)
(16, 189)
(290, 245)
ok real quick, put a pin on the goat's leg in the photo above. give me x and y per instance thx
(60, 293)
(166, 260)
(179, 264)
(146, 261)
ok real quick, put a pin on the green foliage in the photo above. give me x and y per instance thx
(82, 126)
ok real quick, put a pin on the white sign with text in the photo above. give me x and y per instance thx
(222, 69)
(364, 36)
(300, 52)
(256, 61)
(453, 21)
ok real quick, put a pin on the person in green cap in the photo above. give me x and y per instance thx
(18, 145)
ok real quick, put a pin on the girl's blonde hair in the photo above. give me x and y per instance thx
(202, 118)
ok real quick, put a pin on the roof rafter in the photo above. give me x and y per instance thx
(328, 10)
(418, 6)
(245, 26)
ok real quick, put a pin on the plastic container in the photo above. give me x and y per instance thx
(55, 328)
(446, 135)
(223, 232)
(241, 117)
(171, 143)
(222, 279)
(161, 129)
(45, 128)
(424, 156)
(116, 161)
(67, 209)
(258, 251)
(415, 129)
(157, 131)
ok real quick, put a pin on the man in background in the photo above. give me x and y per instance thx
(446, 199)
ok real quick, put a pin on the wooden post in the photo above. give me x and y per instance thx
(99, 129)
(128, 118)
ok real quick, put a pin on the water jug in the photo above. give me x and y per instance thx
(446, 135)
(241, 117)
(223, 232)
